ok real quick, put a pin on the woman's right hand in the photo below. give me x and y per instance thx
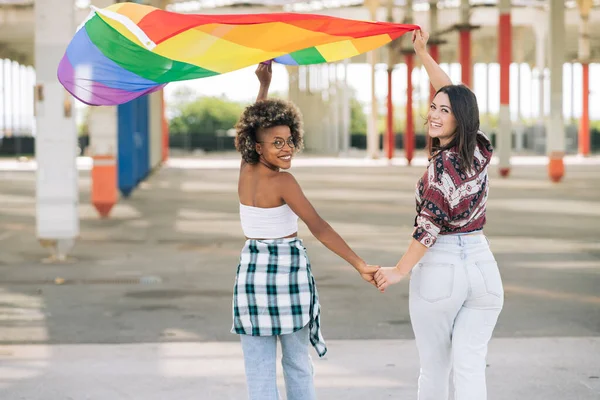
(420, 39)
(367, 272)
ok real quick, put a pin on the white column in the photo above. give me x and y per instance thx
(372, 134)
(585, 7)
(519, 128)
(103, 127)
(155, 129)
(519, 58)
(293, 84)
(334, 99)
(555, 143)
(488, 79)
(541, 32)
(57, 223)
(345, 104)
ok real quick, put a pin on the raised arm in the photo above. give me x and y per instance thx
(437, 76)
(263, 73)
(294, 197)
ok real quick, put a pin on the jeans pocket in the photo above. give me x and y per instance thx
(491, 277)
(434, 281)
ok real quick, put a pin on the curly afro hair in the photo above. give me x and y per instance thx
(266, 114)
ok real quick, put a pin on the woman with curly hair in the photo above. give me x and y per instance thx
(456, 293)
(275, 295)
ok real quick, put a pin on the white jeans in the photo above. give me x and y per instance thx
(456, 296)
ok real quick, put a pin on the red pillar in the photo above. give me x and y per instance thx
(409, 135)
(389, 134)
(504, 56)
(584, 124)
(465, 56)
(104, 183)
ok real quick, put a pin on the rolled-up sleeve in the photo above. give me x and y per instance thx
(434, 213)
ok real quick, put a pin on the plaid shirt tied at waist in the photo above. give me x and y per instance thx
(275, 292)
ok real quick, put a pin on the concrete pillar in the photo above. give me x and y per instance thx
(164, 131)
(103, 150)
(572, 93)
(345, 105)
(503, 142)
(155, 147)
(390, 142)
(409, 134)
(541, 32)
(555, 138)
(519, 145)
(102, 125)
(334, 99)
(434, 42)
(519, 56)
(293, 83)
(372, 131)
(584, 57)
(465, 43)
(57, 196)
(314, 106)
(488, 80)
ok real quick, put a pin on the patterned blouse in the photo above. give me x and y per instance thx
(450, 200)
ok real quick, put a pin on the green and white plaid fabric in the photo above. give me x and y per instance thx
(275, 292)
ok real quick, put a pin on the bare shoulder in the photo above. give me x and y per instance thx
(285, 180)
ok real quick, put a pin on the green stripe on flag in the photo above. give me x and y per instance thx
(137, 59)
(308, 56)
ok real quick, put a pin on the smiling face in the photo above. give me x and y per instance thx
(276, 146)
(440, 119)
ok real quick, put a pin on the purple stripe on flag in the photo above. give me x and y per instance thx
(94, 93)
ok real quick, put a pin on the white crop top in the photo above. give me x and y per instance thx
(268, 223)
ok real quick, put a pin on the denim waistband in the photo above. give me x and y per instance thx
(462, 238)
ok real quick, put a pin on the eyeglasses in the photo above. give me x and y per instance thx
(279, 143)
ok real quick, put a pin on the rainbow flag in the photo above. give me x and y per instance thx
(128, 50)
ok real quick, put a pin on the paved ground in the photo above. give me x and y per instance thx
(143, 312)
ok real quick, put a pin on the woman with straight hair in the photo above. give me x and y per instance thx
(456, 291)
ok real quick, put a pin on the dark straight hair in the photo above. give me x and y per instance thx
(466, 112)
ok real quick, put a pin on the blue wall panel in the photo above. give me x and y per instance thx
(133, 136)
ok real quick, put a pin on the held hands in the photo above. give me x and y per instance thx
(367, 272)
(263, 73)
(419, 39)
(385, 277)
(379, 277)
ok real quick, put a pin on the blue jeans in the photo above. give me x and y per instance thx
(456, 296)
(260, 363)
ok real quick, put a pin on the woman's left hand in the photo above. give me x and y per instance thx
(263, 73)
(387, 276)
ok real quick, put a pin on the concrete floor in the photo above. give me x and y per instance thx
(144, 308)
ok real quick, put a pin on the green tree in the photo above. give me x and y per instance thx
(204, 116)
(358, 120)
